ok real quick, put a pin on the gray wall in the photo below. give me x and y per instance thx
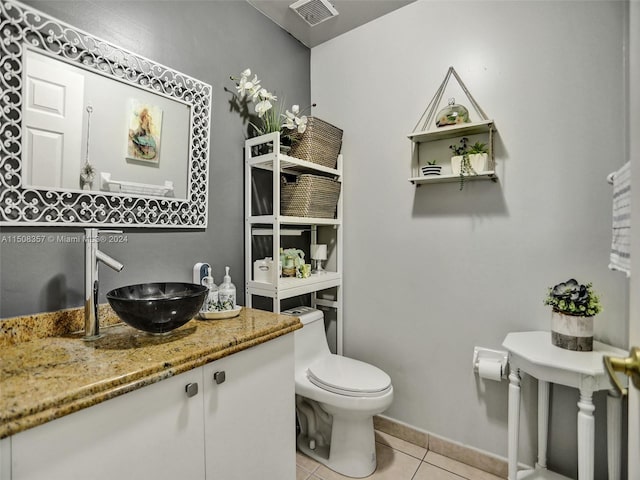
(447, 269)
(209, 41)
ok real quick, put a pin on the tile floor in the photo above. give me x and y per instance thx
(398, 460)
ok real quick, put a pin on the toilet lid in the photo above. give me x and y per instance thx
(347, 376)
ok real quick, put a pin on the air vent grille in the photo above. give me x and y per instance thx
(314, 11)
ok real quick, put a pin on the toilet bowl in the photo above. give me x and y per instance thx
(336, 399)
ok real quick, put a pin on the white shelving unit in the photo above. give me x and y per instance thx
(278, 226)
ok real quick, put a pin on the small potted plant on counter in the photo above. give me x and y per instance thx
(431, 168)
(573, 308)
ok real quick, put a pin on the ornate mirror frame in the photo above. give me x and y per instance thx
(22, 27)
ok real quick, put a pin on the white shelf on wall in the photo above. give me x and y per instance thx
(485, 127)
(452, 131)
(487, 175)
(426, 132)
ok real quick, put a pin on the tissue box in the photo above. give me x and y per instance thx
(263, 270)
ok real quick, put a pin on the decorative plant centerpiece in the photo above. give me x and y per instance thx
(468, 159)
(431, 168)
(573, 308)
(266, 117)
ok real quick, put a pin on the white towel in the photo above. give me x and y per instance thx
(620, 258)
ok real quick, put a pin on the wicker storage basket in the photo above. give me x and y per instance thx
(320, 143)
(309, 196)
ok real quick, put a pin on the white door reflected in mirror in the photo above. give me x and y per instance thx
(52, 124)
(76, 120)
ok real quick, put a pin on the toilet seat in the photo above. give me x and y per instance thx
(346, 376)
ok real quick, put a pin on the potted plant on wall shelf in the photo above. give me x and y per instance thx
(573, 308)
(468, 159)
(478, 156)
(431, 168)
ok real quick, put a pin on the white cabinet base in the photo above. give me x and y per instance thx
(153, 432)
(250, 417)
(241, 428)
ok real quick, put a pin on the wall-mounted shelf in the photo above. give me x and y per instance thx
(429, 141)
(483, 126)
(487, 175)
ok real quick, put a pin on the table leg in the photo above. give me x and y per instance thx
(513, 423)
(586, 435)
(543, 422)
(614, 425)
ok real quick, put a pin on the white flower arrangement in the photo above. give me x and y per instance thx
(272, 120)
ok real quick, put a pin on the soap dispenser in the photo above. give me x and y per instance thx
(227, 293)
(211, 303)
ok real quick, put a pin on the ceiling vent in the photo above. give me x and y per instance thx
(314, 11)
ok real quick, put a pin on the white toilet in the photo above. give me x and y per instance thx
(336, 399)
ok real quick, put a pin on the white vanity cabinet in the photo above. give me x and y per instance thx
(250, 415)
(153, 432)
(241, 428)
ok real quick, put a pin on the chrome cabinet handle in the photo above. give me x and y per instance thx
(219, 377)
(191, 389)
(630, 366)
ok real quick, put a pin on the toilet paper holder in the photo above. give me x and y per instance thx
(482, 354)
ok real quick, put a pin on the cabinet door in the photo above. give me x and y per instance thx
(250, 416)
(152, 433)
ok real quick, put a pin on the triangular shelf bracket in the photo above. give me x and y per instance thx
(429, 114)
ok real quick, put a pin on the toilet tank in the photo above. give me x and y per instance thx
(310, 341)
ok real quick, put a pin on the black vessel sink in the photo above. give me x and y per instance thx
(157, 307)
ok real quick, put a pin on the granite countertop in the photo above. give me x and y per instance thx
(46, 372)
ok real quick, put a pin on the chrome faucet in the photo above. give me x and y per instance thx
(92, 255)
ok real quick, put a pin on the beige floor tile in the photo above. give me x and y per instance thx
(430, 472)
(306, 463)
(301, 474)
(459, 468)
(392, 465)
(402, 445)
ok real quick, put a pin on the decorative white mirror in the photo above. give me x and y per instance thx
(92, 134)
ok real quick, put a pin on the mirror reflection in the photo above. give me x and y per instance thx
(85, 131)
(95, 135)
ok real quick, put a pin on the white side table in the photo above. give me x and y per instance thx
(533, 353)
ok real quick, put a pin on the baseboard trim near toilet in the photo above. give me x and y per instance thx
(462, 453)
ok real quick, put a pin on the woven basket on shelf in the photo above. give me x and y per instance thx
(309, 196)
(320, 143)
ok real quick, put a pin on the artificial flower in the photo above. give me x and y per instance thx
(262, 107)
(249, 89)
